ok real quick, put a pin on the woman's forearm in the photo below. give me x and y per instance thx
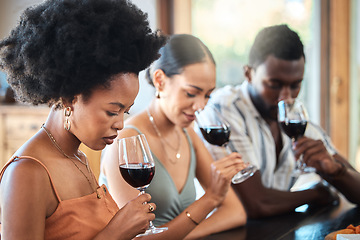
(230, 214)
(183, 224)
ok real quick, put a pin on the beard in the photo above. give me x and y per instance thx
(273, 113)
(267, 112)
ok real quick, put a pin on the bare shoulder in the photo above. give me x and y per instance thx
(24, 173)
(25, 184)
(26, 198)
(203, 156)
(196, 141)
(192, 134)
(110, 151)
(139, 121)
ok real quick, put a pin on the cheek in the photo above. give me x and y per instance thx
(93, 129)
(96, 121)
(268, 95)
(295, 93)
(263, 91)
(174, 100)
(173, 106)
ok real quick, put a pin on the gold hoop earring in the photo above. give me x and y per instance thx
(157, 94)
(67, 113)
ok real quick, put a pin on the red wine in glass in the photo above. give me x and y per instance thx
(216, 135)
(137, 167)
(293, 118)
(294, 128)
(216, 130)
(137, 175)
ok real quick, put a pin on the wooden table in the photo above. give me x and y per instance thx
(312, 224)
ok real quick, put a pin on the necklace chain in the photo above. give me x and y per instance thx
(86, 163)
(163, 140)
(92, 174)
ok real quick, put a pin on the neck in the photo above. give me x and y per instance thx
(68, 142)
(171, 137)
(163, 123)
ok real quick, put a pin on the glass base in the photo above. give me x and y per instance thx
(303, 170)
(152, 230)
(244, 174)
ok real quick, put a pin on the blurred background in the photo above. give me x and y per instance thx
(329, 29)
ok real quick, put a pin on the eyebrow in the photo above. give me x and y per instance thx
(200, 89)
(278, 80)
(120, 105)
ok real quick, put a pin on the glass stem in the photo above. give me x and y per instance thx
(151, 225)
(142, 191)
(299, 164)
(227, 148)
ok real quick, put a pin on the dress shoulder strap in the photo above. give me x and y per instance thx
(133, 127)
(16, 158)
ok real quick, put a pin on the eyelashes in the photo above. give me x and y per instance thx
(111, 114)
(194, 95)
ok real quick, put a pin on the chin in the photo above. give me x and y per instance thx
(273, 118)
(273, 113)
(184, 124)
(97, 147)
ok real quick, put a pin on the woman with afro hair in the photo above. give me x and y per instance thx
(82, 58)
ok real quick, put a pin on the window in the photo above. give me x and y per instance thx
(228, 28)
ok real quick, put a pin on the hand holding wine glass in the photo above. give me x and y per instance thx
(216, 130)
(137, 167)
(293, 119)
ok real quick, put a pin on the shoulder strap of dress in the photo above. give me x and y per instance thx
(133, 127)
(192, 150)
(16, 158)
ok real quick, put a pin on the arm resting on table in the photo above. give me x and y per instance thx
(260, 201)
(346, 180)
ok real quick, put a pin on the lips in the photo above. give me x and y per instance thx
(109, 140)
(190, 117)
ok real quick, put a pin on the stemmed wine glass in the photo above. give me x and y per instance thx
(137, 167)
(293, 118)
(216, 130)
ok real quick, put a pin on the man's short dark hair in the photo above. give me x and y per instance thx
(279, 41)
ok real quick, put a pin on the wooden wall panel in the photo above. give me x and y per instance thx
(174, 16)
(324, 65)
(164, 17)
(340, 74)
(182, 16)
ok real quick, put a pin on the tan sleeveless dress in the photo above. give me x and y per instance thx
(78, 218)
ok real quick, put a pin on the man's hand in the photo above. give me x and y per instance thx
(316, 155)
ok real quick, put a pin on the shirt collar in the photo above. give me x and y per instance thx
(247, 100)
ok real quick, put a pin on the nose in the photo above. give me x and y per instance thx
(200, 104)
(119, 124)
(285, 93)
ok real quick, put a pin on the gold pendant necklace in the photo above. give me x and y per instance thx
(86, 163)
(163, 140)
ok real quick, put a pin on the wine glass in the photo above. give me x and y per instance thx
(293, 118)
(216, 130)
(137, 167)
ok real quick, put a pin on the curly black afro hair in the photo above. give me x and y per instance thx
(62, 48)
(277, 40)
